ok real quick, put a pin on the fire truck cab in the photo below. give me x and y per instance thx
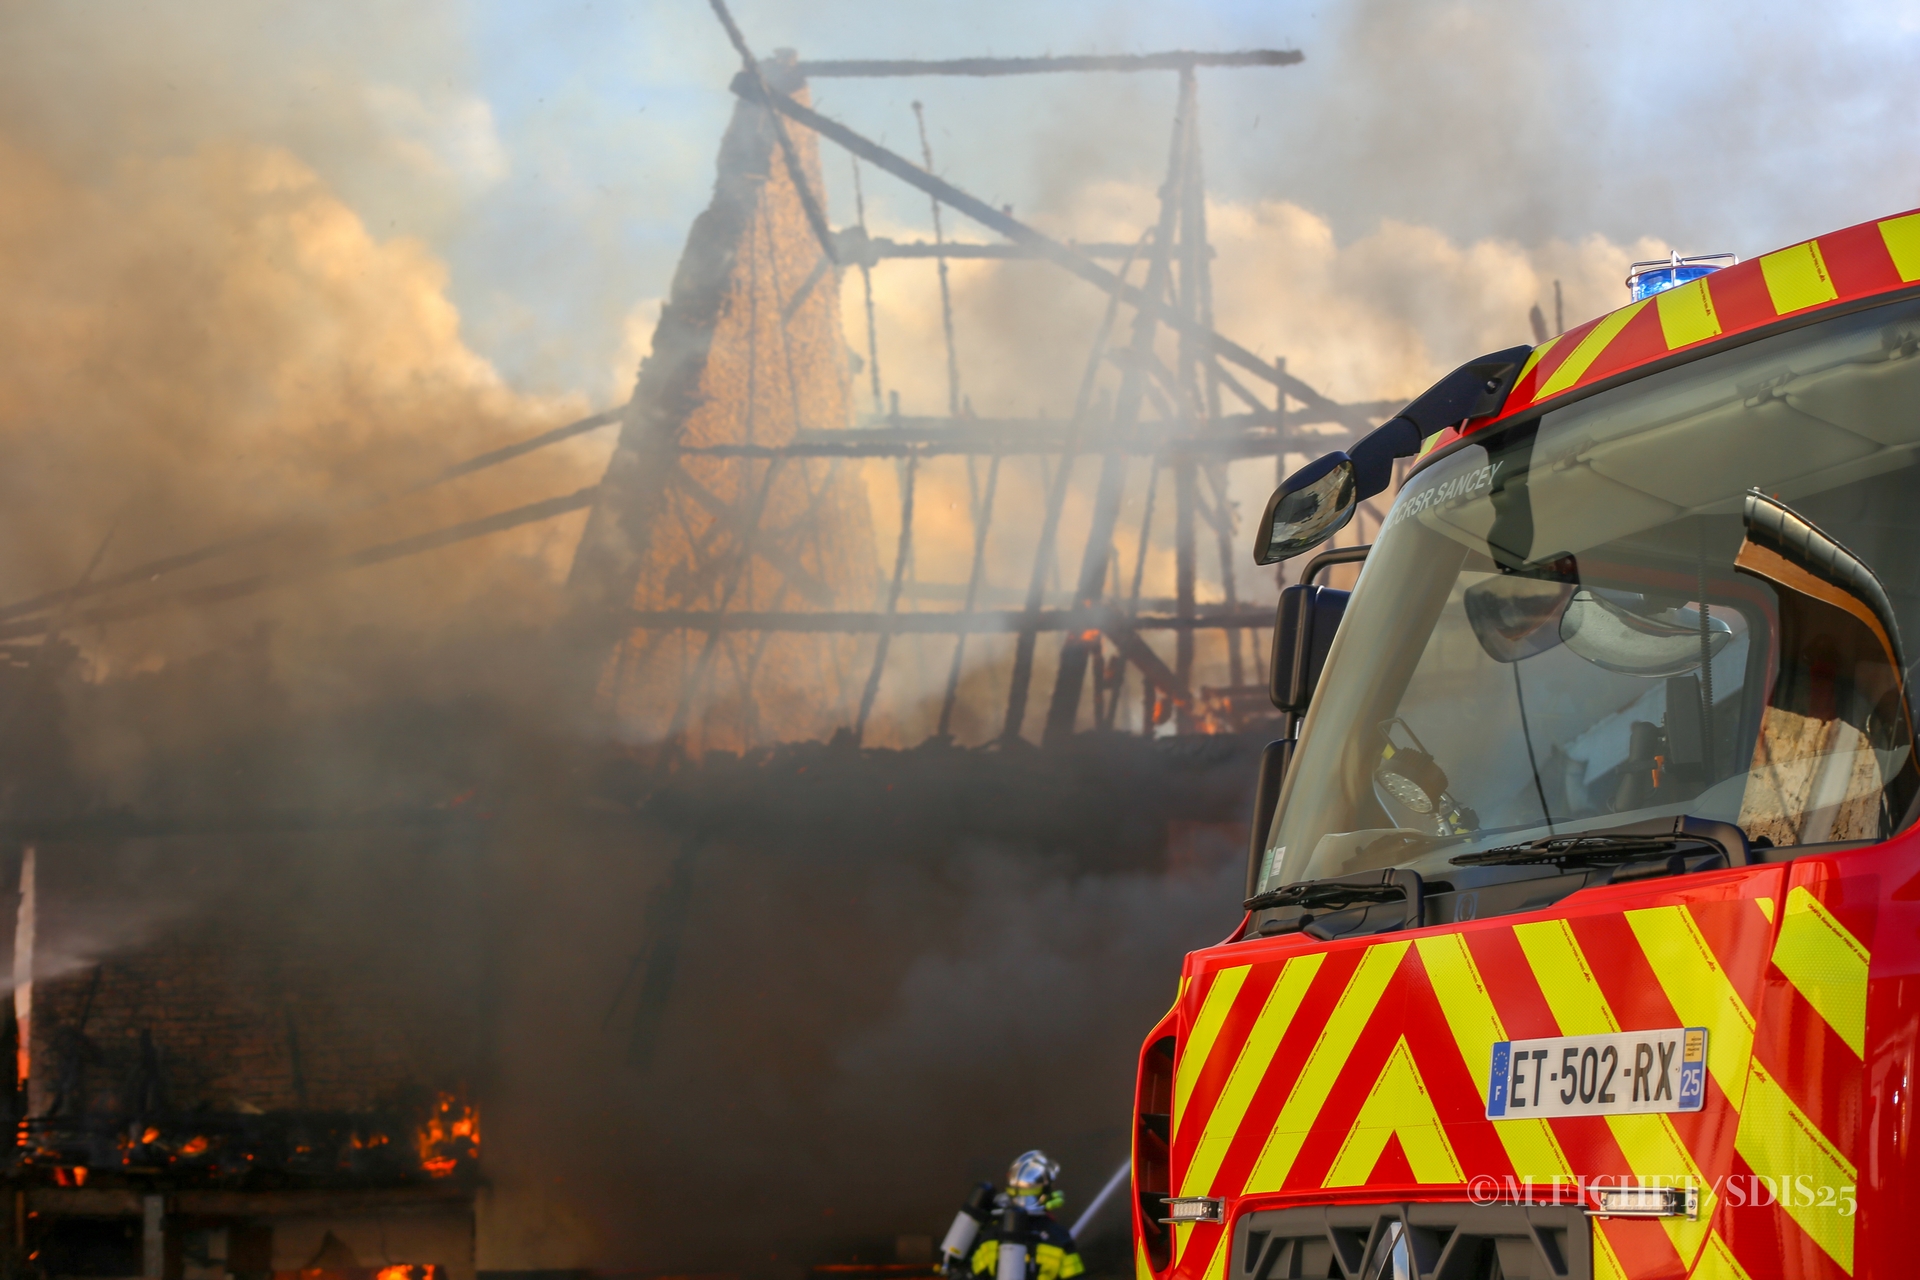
(1582, 931)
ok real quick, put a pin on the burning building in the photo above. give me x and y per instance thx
(706, 861)
(222, 1097)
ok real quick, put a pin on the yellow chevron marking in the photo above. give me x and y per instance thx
(1606, 1263)
(1652, 1147)
(1539, 353)
(1903, 244)
(1324, 1062)
(1797, 278)
(1561, 970)
(1655, 1153)
(1206, 1029)
(1142, 1269)
(1687, 315)
(1223, 1123)
(1782, 1145)
(1699, 991)
(1766, 908)
(1718, 1262)
(1476, 1027)
(1826, 964)
(1582, 357)
(1398, 1105)
(1217, 1267)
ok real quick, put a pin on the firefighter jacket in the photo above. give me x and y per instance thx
(1050, 1251)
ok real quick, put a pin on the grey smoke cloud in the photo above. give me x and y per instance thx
(554, 155)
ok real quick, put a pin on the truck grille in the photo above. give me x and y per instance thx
(1414, 1242)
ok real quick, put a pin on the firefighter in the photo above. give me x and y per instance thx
(1023, 1241)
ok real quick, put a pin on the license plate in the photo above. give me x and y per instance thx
(1624, 1073)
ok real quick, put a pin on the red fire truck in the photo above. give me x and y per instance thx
(1582, 933)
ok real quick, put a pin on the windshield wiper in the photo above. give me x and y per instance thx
(1662, 837)
(1360, 893)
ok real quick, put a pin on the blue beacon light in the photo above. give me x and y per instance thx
(1644, 279)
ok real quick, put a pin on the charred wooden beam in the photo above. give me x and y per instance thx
(1047, 247)
(1152, 666)
(1252, 443)
(744, 526)
(124, 1202)
(977, 622)
(797, 171)
(148, 570)
(857, 248)
(220, 592)
(1186, 492)
(1076, 652)
(1174, 60)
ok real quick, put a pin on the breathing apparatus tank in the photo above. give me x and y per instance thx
(973, 1215)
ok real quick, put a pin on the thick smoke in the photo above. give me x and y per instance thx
(269, 263)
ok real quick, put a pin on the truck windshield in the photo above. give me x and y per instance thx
(1684, 595)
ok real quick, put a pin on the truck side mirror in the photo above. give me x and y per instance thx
(1319, 499)
(1312, 505)
(1303, 630)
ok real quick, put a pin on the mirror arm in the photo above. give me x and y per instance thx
(1328, 559)
(1474, 390)
(1336, 483)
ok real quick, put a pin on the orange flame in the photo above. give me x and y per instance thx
(450, 1135)
(194, 1146)
(415, 1271)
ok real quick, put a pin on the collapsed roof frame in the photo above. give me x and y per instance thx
(1197, 440)
(1193, 436)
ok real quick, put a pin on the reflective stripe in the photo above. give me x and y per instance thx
(1322, 1069)
(1182, 1236)
(1217, 1265)
(1476, 1026)
(1687, 315)
(1606, 1263)
(1398, 1106)
(1699, 990)
(1718, 1262)
(1050, 1261)
(1200, 1038)
(1649, 1142)
(1564, 978)
(1142, 1269)
(1781, 1144)
(1539, 354)
(1248, 1070)
(1654, 1150)
(1766, 908)
(1826, 964)
(1903, 244)
(1797, 278)
(1583, 356)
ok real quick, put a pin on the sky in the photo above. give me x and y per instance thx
(552, 155)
